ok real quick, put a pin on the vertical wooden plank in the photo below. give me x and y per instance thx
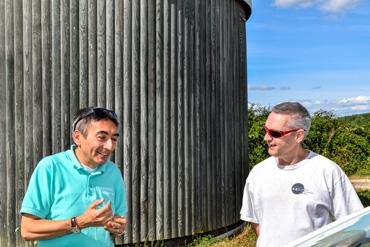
(9, 115)
(135, 67)
(92, 52)
(187, 116)
(109, 41)
(65, 72)
(46, 76)
(28, 91)
(159, 121)
(181, 202)
(223, 80)
(36, 79)
(74, 86)
(56, 120)
(151, 120)
(19, 117)
(118, 85)
(3, 184)
(166, 122)
(207, 206)
(101, 53)
(83, 53)
(143, 120)
(214, 159)
(192, 83)
(127, 116)
(118, 75)
(197, 127)
(173, 164)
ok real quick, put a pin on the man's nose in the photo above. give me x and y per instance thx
(110, 145)
(267, 137)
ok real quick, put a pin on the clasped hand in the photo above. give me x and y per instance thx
(103, 217)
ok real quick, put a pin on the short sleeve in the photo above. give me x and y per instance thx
(38, 198)
(247, 212)
(345, 198)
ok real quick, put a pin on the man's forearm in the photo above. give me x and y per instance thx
(33, 228)
(256, 228)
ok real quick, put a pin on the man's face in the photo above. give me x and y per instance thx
(101, 140)
(283, 146)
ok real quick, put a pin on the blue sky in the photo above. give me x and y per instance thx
(316, 52)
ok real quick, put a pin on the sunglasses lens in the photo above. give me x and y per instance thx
(275, 134)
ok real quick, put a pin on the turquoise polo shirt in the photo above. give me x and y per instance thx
(60, 188)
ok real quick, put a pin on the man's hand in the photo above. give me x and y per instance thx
(116, 225)
(95, 217)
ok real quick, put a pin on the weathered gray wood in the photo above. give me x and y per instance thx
(74, 83)
(101, 53)
(9, 126)
(151, 203)
(92, 51)
(46, 76)
(83, 53)
(19, 118)
(173, 164)
(118, 74)
(56, 120)
(127, 112)
(3, 182)
(143, 203)
(174, 72)
(64, 71)
(136, 107)
(109, 66)
(159, 122)
(180, 186)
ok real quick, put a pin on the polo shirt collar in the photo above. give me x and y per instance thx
(78, 165)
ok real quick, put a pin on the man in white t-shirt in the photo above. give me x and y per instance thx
(295, 191)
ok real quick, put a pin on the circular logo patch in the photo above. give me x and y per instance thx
(297, 188)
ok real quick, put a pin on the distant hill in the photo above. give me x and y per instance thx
(362, 120)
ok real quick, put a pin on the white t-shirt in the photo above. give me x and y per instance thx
(290, 201)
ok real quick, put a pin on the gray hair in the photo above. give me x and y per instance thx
(86, 115)
(301, 116)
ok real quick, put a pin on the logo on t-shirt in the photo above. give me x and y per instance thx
(297, 188)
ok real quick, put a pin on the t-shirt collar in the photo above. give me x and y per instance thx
(78, 165)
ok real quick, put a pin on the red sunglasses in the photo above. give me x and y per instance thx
(278, 133)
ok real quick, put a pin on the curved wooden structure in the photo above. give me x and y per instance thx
(175, 73)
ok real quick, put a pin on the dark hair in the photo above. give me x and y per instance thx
(301, 116)
(85, 115)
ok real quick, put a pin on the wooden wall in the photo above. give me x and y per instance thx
(175, 73)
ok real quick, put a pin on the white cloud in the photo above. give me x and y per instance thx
(260, 88)
(355, 100)
(335, 6)
(294, 3)
(331, 6)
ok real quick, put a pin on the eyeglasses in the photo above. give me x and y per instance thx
(99, 113)
(278, 133)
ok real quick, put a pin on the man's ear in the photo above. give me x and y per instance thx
(300, 135)
(77, 137)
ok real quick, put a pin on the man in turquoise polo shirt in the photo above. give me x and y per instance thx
(77, 197)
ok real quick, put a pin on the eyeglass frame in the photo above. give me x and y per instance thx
(97, 111)
(280, 133)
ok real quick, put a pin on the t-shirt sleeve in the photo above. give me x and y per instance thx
(345, 198)
(121, 205)
(38, 198)
(247, 212)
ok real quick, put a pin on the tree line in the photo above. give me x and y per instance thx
(345, 140)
